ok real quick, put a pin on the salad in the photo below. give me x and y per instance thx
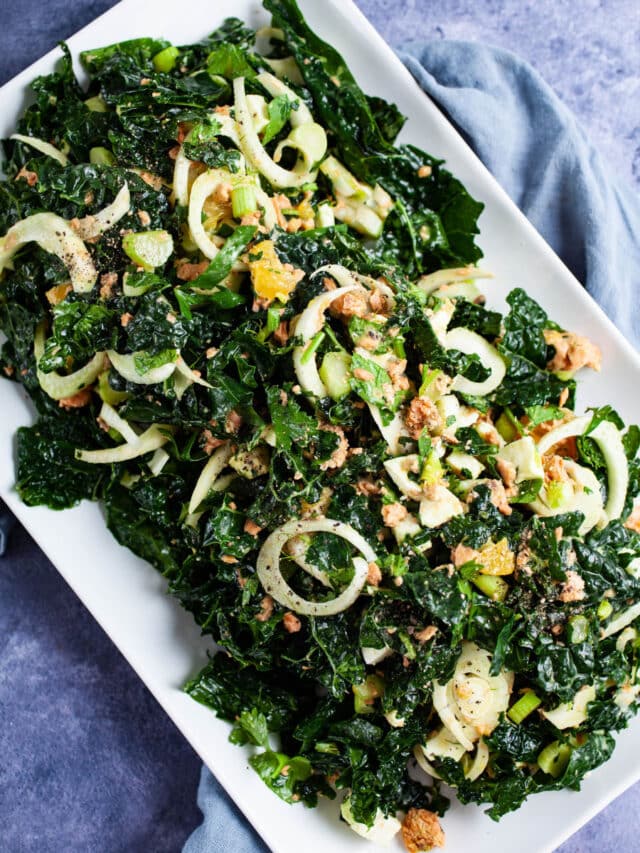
(254, 328)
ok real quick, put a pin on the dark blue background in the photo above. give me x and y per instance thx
(88, 760)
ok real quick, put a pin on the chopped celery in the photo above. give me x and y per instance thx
(148, 249)
(554, 758)
(324, 216)
(100, 156)
(578, 629)
(335, 372)
(243, 200)
(96, 104)
(506, 427)
(366, 693)
(525, 705)
(605, 609)
(165, 60)
(559, 493)
(492, 586)
(431, 470)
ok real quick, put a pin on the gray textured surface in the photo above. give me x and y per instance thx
(588, 50)
(89, 761)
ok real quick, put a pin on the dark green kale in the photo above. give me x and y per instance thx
(434, 224)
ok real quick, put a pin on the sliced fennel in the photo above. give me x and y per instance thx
(437, 510)
(42, 146)
(621, 620)
(568, 715)
(58, 386)
(254, 151)
(309, 140)
(55, 235)
(96, 224)
(309, 323)
(112, 419)
(383, 830)
(301, 114)
(270, 576)
(359, 205)
(150, 439)
(472, 343)
(470, 704)
(399, 469)
(525, 457)
(209, 474)
(441, 278)
(608, 438)
(582, 495)
(207, 184)
(126, 366)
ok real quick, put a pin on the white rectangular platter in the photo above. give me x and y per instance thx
(127, 597)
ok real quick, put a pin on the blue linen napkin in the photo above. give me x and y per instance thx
(539, 153)
(6, 523)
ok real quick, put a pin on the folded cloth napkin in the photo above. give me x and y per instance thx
(6, 523)
(541, 156)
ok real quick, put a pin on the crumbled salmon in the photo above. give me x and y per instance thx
(77, 401)
(186, 271)
(144, 218)
(633, 520)
(222, 193)
(499, 497)
(366, 486)
(281, 334)
(425, 634)
(374, 575)
(554, 468)
(422, 414)
(363, 375)
(421, 831)
(393, 514)
(125, 319)
(572, 351)
(152, 180)
(507, 471)
(396, 371)
(352, 304)
(424, 171)
(210, 442)
(339, 455)
(108, 281)
(379, 302)
(461, 554)
(573, 587)
(266, 609)
(523, 556)
(233, 422)
(251, 527)
(291, 623)
(30, 177)
(252, 218)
